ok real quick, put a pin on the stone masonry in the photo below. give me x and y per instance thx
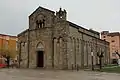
(64, 45)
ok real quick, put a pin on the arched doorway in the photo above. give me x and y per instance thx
(40, 55)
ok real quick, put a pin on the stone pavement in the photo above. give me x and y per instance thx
(38, 74)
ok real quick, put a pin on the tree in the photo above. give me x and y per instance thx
(9, 52)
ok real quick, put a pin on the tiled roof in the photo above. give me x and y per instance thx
(77, 26)
(8, 35)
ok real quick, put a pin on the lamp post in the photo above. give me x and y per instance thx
(92, 60)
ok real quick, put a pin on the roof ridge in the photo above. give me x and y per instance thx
(7, 35)
(78, 26)
(42, 8)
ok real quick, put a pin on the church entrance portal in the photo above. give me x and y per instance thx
(40, 59)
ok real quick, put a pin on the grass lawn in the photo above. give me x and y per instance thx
(111, 65)
(113, 69)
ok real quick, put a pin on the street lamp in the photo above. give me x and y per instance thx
(92, 60)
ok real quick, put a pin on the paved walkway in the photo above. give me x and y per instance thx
(37, 74)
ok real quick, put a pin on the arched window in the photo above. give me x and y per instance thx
(40, 21)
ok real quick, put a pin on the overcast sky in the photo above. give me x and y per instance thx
(96, 14)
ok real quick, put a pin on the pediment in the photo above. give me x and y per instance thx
(40, 47)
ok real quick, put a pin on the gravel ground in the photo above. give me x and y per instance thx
(39, 74)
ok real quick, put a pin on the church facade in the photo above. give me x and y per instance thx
(53, 42)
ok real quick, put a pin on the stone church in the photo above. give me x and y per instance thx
(51, 41)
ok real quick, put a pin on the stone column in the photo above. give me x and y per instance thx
(85, 54)
(70, 53)
(74, 54)
(65, 59)
(94, 53)
(89, 55)
(26, 55)
(82, 54)
(79, 54)
(60, 54)
(55, 53)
